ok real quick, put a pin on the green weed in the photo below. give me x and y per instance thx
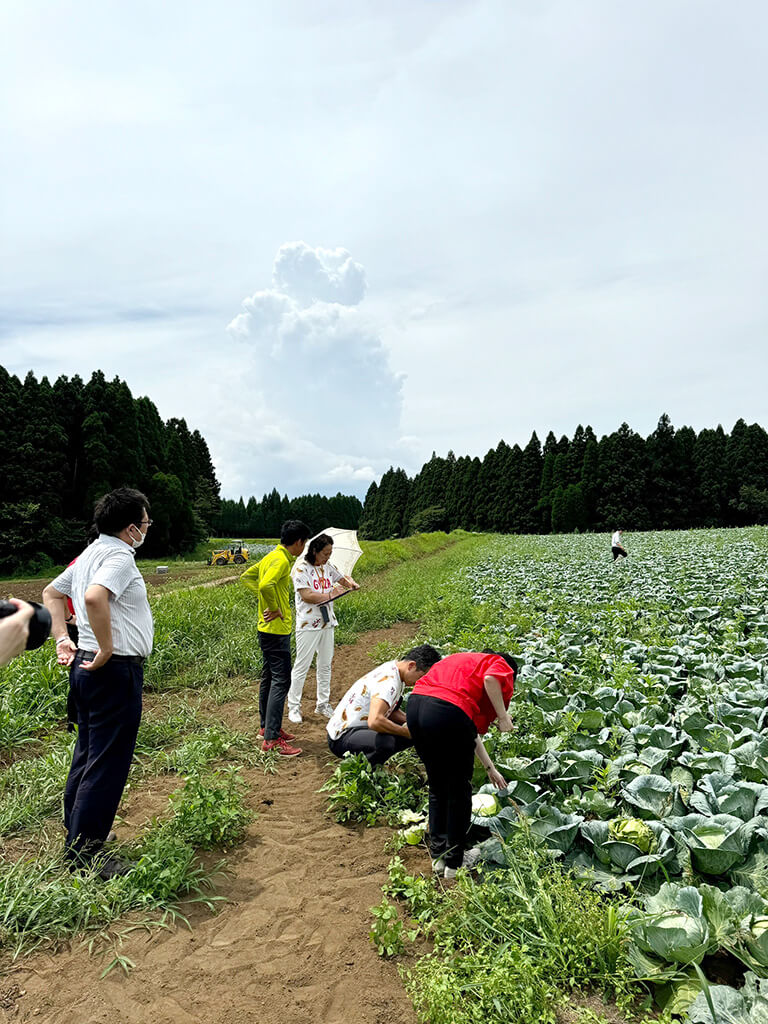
(359, 792)
(387, 933)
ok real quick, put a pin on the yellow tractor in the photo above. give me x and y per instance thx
(235, 554)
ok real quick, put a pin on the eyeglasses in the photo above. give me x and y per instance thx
(144, 522)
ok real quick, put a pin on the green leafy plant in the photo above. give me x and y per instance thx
(387, 931)
(358, 792)
(209, 810)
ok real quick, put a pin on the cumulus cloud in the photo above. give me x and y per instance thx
(318, 275)
(328, 400)
(348, 472)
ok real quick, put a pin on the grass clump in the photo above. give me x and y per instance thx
(31, 790)
(516, 946)
(383, 554)
(33, 696)
(210, 810)
(360, 793)
(43, 903)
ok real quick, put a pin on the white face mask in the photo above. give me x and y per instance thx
(142, 537)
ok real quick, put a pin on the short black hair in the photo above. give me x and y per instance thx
(316, 545)
(505, 657)
(293, 530)
(424, 656)
(118, 509)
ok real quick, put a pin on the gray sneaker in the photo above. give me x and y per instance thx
(472, 858)
(325, 710)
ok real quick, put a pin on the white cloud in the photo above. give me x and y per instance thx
(347, 473)
(318, 275)
(328, 403)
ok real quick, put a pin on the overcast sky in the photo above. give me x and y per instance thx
(336, 236)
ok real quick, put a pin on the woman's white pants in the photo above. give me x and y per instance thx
(311, 642)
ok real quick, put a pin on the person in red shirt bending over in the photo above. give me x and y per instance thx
(448, 712)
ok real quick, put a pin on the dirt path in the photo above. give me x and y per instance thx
(291, 945)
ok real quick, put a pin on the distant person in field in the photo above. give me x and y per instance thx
(449, 711)
(617, 545)
(270, 580)
(368, 719)
(315, 582)
(116, 634)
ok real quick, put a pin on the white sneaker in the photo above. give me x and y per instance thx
(438, 867)
(295, 717)
(450, 874)
(325, 710)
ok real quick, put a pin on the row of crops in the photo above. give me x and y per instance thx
(641, 755)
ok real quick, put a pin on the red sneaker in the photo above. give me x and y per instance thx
(283, 734)
(280, 747)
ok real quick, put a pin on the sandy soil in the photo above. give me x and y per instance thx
(291, 945)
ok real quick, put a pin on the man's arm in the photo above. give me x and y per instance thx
(379, 720)
(251, 578)
(56, 603)
(100, 621)
(267, 589)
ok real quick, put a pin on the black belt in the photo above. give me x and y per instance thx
(133, 659)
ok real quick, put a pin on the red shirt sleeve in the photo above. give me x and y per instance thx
(69, 599)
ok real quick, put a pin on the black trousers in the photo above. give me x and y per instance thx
(618, 553)
(275, 681)
(378, 747)
(444, 737)
(71, 707)
(107, 706)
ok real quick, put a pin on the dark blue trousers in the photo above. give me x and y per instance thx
(107, 706)
(275, 681)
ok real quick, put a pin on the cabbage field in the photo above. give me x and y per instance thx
(640, 757)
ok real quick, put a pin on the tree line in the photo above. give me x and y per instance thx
(263, 518)
(672, 479)
(63, 445)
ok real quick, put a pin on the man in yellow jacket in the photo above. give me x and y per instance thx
(270, 580)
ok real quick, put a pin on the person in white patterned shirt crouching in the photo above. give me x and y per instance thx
(368, 719)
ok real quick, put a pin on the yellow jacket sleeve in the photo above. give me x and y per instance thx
(269, 578)
(251, 578)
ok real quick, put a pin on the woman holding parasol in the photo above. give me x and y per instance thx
(317, 583)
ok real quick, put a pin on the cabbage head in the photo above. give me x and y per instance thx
(718, 843)
(747, 1006)
(413, 835)
(673, 927)
(754, 929)
(485, 805)
(634, 831)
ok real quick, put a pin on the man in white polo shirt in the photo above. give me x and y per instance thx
(368, 719)
(106, 669)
